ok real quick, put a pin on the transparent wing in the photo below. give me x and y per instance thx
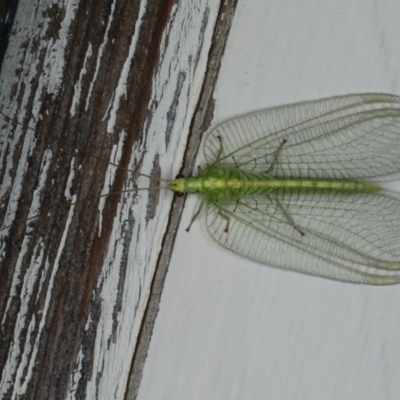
(354, 136)
(354, 238)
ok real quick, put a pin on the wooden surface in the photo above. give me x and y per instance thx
(81, 287)
(85, 84)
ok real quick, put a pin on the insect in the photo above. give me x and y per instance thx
(299, 187)
(291, 187)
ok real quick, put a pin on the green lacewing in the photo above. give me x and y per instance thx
(292, 187)
(299, 187)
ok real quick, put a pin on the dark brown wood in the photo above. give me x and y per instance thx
(64, 151)
(79, 140)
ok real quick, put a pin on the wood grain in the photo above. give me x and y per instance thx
(78, 83)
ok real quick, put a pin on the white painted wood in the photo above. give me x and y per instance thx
(179, 79)
(176, 87)
(229, 328)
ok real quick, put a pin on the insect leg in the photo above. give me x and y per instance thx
(275, 158)
(289, 218)
(220, 149)
(203, 200)
(226, 230)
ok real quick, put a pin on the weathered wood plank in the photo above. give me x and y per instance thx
(202, 117)
(82, 84)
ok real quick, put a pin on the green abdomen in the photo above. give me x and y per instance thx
(235, 184)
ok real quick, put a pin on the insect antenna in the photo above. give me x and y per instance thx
(154, 178)
(150, 188)
(157, 180)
